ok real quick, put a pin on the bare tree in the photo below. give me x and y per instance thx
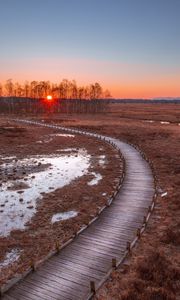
(1, 90)
(9, 87)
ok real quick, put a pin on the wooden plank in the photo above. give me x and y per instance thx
(75, 265)
(63, 275)
(122, 221)
(101, 250)
(96, 243)
(34, 293)
(69, 271)
(102, 260)
(59, 287)
(49, 291)
(103, 240)
(103, 235)
(22, 295)
(85, 261)
(127, 226)
(7, 297)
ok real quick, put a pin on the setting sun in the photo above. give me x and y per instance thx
(49, 97)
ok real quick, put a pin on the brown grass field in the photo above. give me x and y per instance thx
(152, 271)
(40, 236)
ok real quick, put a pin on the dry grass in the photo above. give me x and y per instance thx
(40, 236)
(153, 270)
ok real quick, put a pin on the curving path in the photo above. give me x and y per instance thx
(88, 257)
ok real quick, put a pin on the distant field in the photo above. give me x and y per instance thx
(158, 112)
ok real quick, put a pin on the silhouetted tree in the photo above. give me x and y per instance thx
(9, 87)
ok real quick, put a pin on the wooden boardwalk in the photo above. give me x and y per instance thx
(67, 275)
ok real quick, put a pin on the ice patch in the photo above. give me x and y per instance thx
(67, 150)
(10, 258)
(96, 179)
(63, 216)
(164, 122)
(149, 121)
(62, 134)
(16, 209)
(49, 138)
(8, 157)
(102, 159)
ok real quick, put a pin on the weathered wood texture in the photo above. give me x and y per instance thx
(67, 275)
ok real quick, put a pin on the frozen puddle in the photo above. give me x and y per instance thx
(62, 134)
(164, 122)
(10, 258)
(7, 157)
(67, 150)
(17, 206)
(63, 216)
(149, 121)
(49, 138)
(102, 159)
(96, 179)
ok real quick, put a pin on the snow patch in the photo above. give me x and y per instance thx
(18, 207)
(67, 150)
(96, 179)
(164, 122)
(10, 258)
(63, 216)
(149, 121)
(102, 159)
(62, 134)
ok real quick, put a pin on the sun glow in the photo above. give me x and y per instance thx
(49, 98)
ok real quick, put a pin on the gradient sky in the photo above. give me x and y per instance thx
(132, 47)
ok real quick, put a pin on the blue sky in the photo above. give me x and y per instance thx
(108, 41)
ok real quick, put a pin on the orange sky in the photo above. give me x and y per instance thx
(123, 80)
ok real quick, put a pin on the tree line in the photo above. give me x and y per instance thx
(31, 106)
(66, 89)
(30, 98)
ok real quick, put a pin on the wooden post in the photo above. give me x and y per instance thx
(138, 233)
(107, 203)
(57, 246)
(33, 266)
(128, 247)
(114, 263)
(144, 220)
(92, 287)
